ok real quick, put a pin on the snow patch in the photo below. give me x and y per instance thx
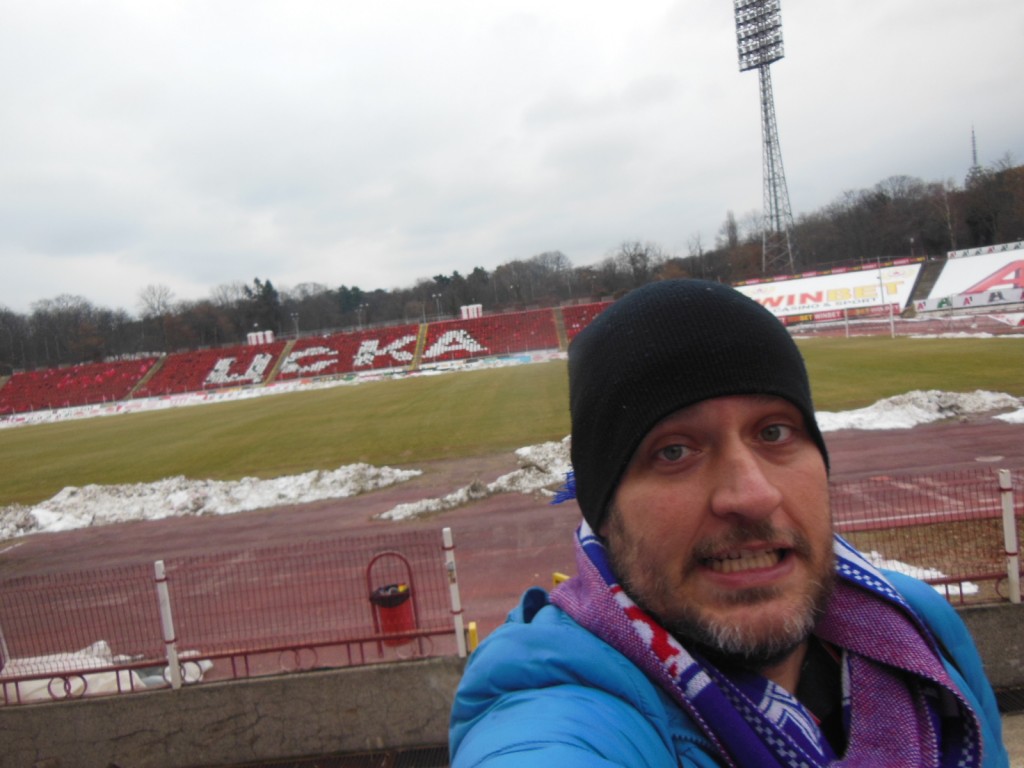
(541, 467)
(917, 407)
(922, 573)
(179, 496)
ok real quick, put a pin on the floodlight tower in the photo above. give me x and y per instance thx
(759, 40)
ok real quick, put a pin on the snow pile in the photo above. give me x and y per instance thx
(917, 407)
(178, 496)
(545, 465)
(540, 466)
(1014, 417)
(165, 402)
(79, 683)
(880, 561)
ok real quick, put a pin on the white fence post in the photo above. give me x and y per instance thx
(167, 624)
(453, 589)
(5, 655)
(1010, 536)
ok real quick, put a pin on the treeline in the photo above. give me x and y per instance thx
(900, 216)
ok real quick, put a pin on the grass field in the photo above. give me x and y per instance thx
(411, 420)
(852, 373)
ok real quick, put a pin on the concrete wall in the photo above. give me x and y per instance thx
(220, 724)
(313, 714)
(998, 632)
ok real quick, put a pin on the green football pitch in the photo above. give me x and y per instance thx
(407, 420)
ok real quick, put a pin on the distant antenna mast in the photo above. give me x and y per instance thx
(759, 41)
(974, 151)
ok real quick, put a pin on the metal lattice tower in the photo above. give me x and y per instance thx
(759, 42)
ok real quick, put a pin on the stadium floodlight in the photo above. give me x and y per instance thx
(759, 43)
(758, 32)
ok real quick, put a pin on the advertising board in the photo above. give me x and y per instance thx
(832, 293)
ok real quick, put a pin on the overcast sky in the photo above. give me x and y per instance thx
(190, 144)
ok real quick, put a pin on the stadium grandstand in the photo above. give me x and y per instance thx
(391, 348)
(983, 286)
(87, 384)
(345, 353)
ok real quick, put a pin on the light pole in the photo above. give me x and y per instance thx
(759, 43)
(881, 295)
(295, 319)
(437, 303)
(362, 314)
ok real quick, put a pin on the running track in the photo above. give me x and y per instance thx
(504, 544)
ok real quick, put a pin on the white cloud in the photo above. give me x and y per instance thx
(192, 144)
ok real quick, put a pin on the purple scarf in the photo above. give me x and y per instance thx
(899, 705)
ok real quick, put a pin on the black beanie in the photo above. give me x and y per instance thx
(660, 348)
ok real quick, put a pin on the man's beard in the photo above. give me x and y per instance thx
(732, 645)
(727, 644)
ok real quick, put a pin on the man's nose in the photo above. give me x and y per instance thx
(742, 485)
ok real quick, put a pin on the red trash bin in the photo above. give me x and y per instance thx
(394, 611)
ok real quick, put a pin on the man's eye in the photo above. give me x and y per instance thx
(776, 433)
(672, 453)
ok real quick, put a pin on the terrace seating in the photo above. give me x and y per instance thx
(490, 335)
(578, 317)
(373, 349)
(341, 353)
(211, 369)
(77, 385)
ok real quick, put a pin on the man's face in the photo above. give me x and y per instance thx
(720, 527)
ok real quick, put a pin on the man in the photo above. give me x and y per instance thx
(715, 619)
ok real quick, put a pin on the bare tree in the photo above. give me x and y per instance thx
(65, 330)
(728, 233)
(639, 260)
(155, 301)
(695, 249)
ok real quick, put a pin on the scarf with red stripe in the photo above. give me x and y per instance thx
(899, 705)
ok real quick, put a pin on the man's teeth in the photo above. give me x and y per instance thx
(744, 561)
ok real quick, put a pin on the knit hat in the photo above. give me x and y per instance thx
(660, 348)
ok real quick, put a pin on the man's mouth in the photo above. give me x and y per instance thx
(744, 560)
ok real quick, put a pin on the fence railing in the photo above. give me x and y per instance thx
(957, 530)
(235, 614)
(931, 323)
(350, 601)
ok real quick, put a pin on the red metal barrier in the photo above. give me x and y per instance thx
(236, 614)
(279, 609)
(948, 525)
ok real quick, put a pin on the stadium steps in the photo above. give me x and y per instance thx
(563, 337)
(421, 342)
(926, 280)
(153, 369)
(279, 362)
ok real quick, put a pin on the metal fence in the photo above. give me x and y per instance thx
(957, 530)
(925, 323)
(257, 611)
(350, 601)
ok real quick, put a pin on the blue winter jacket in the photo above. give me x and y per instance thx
(543, 691)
